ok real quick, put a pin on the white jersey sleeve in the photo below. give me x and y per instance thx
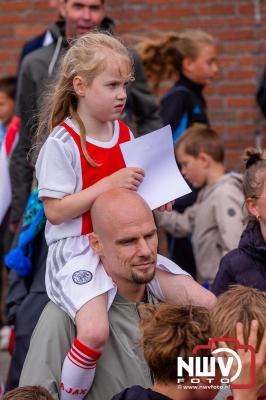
(55, 168)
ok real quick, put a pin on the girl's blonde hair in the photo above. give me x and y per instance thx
(164, 57)
(169, 332)
(87, 57)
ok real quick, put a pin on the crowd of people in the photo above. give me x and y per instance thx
(96, 306)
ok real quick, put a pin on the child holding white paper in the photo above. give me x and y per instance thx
(79, 160)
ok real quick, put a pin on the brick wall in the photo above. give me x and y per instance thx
(242, 48)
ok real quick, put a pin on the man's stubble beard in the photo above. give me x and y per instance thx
(142, 279)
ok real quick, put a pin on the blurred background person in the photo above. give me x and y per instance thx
(190, 57)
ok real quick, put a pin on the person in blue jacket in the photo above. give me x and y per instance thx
(246, 265)
(191, 56)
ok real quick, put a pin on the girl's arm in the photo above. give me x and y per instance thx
(74, 205)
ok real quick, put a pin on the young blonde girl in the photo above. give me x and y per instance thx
(79, 160)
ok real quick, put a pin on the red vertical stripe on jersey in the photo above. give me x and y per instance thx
(110, 160)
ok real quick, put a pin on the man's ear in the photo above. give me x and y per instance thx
(95, 243)
(79, 85)
(252, 206)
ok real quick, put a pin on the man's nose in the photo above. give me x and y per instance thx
(144, 249)
(87, 13)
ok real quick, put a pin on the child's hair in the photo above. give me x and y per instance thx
(198, 139)
(8, 86)
(170, 331)
(239, 304)
(88, 56)
(28, 393)
(164, 57)
(255, 174)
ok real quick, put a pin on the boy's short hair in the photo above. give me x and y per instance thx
(198, 139)
(8, 86)
(169, 331)
(28, 393)
(239, 304)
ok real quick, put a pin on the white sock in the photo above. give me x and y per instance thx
(78, 371)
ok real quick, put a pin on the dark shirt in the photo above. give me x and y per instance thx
(245, 265)
(184, 106)
(140, 393)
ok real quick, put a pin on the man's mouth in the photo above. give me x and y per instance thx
(84, 29)
(144, 265)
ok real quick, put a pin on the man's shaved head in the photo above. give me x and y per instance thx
(125, 237)
(109, 206)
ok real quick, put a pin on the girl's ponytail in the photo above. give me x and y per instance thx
(160, 57)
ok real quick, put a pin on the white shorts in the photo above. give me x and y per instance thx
(75, 275)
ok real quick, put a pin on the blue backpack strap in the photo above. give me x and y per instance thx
(181, 128)
(184, 121)
(179, 88)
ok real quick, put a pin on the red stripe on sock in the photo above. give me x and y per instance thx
(88, 351)
(73, 362)
(85, 363)
(81, 356)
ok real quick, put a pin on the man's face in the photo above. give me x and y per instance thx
(81, 16)
(129, 247)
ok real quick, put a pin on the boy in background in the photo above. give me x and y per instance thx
(215, 220)
(7, 103)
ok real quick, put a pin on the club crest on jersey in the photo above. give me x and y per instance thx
(81, 277)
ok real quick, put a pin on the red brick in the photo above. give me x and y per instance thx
(217, 10)
(237, 89)
(247, 34)
(240, 101)
(10, 19)
(246, 8)
(174, 12)
(241, 74)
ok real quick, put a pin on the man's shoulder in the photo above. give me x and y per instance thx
(41, 56)
(53, 313)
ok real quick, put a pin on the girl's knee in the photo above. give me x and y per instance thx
(94, 336)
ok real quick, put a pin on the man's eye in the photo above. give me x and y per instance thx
(78, 6)
(127, 242)
(150, 236)
(95, 8)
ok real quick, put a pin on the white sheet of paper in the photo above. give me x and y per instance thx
(154, 153)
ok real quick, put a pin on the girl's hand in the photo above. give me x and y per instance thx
(127, 178)
(167, 206)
